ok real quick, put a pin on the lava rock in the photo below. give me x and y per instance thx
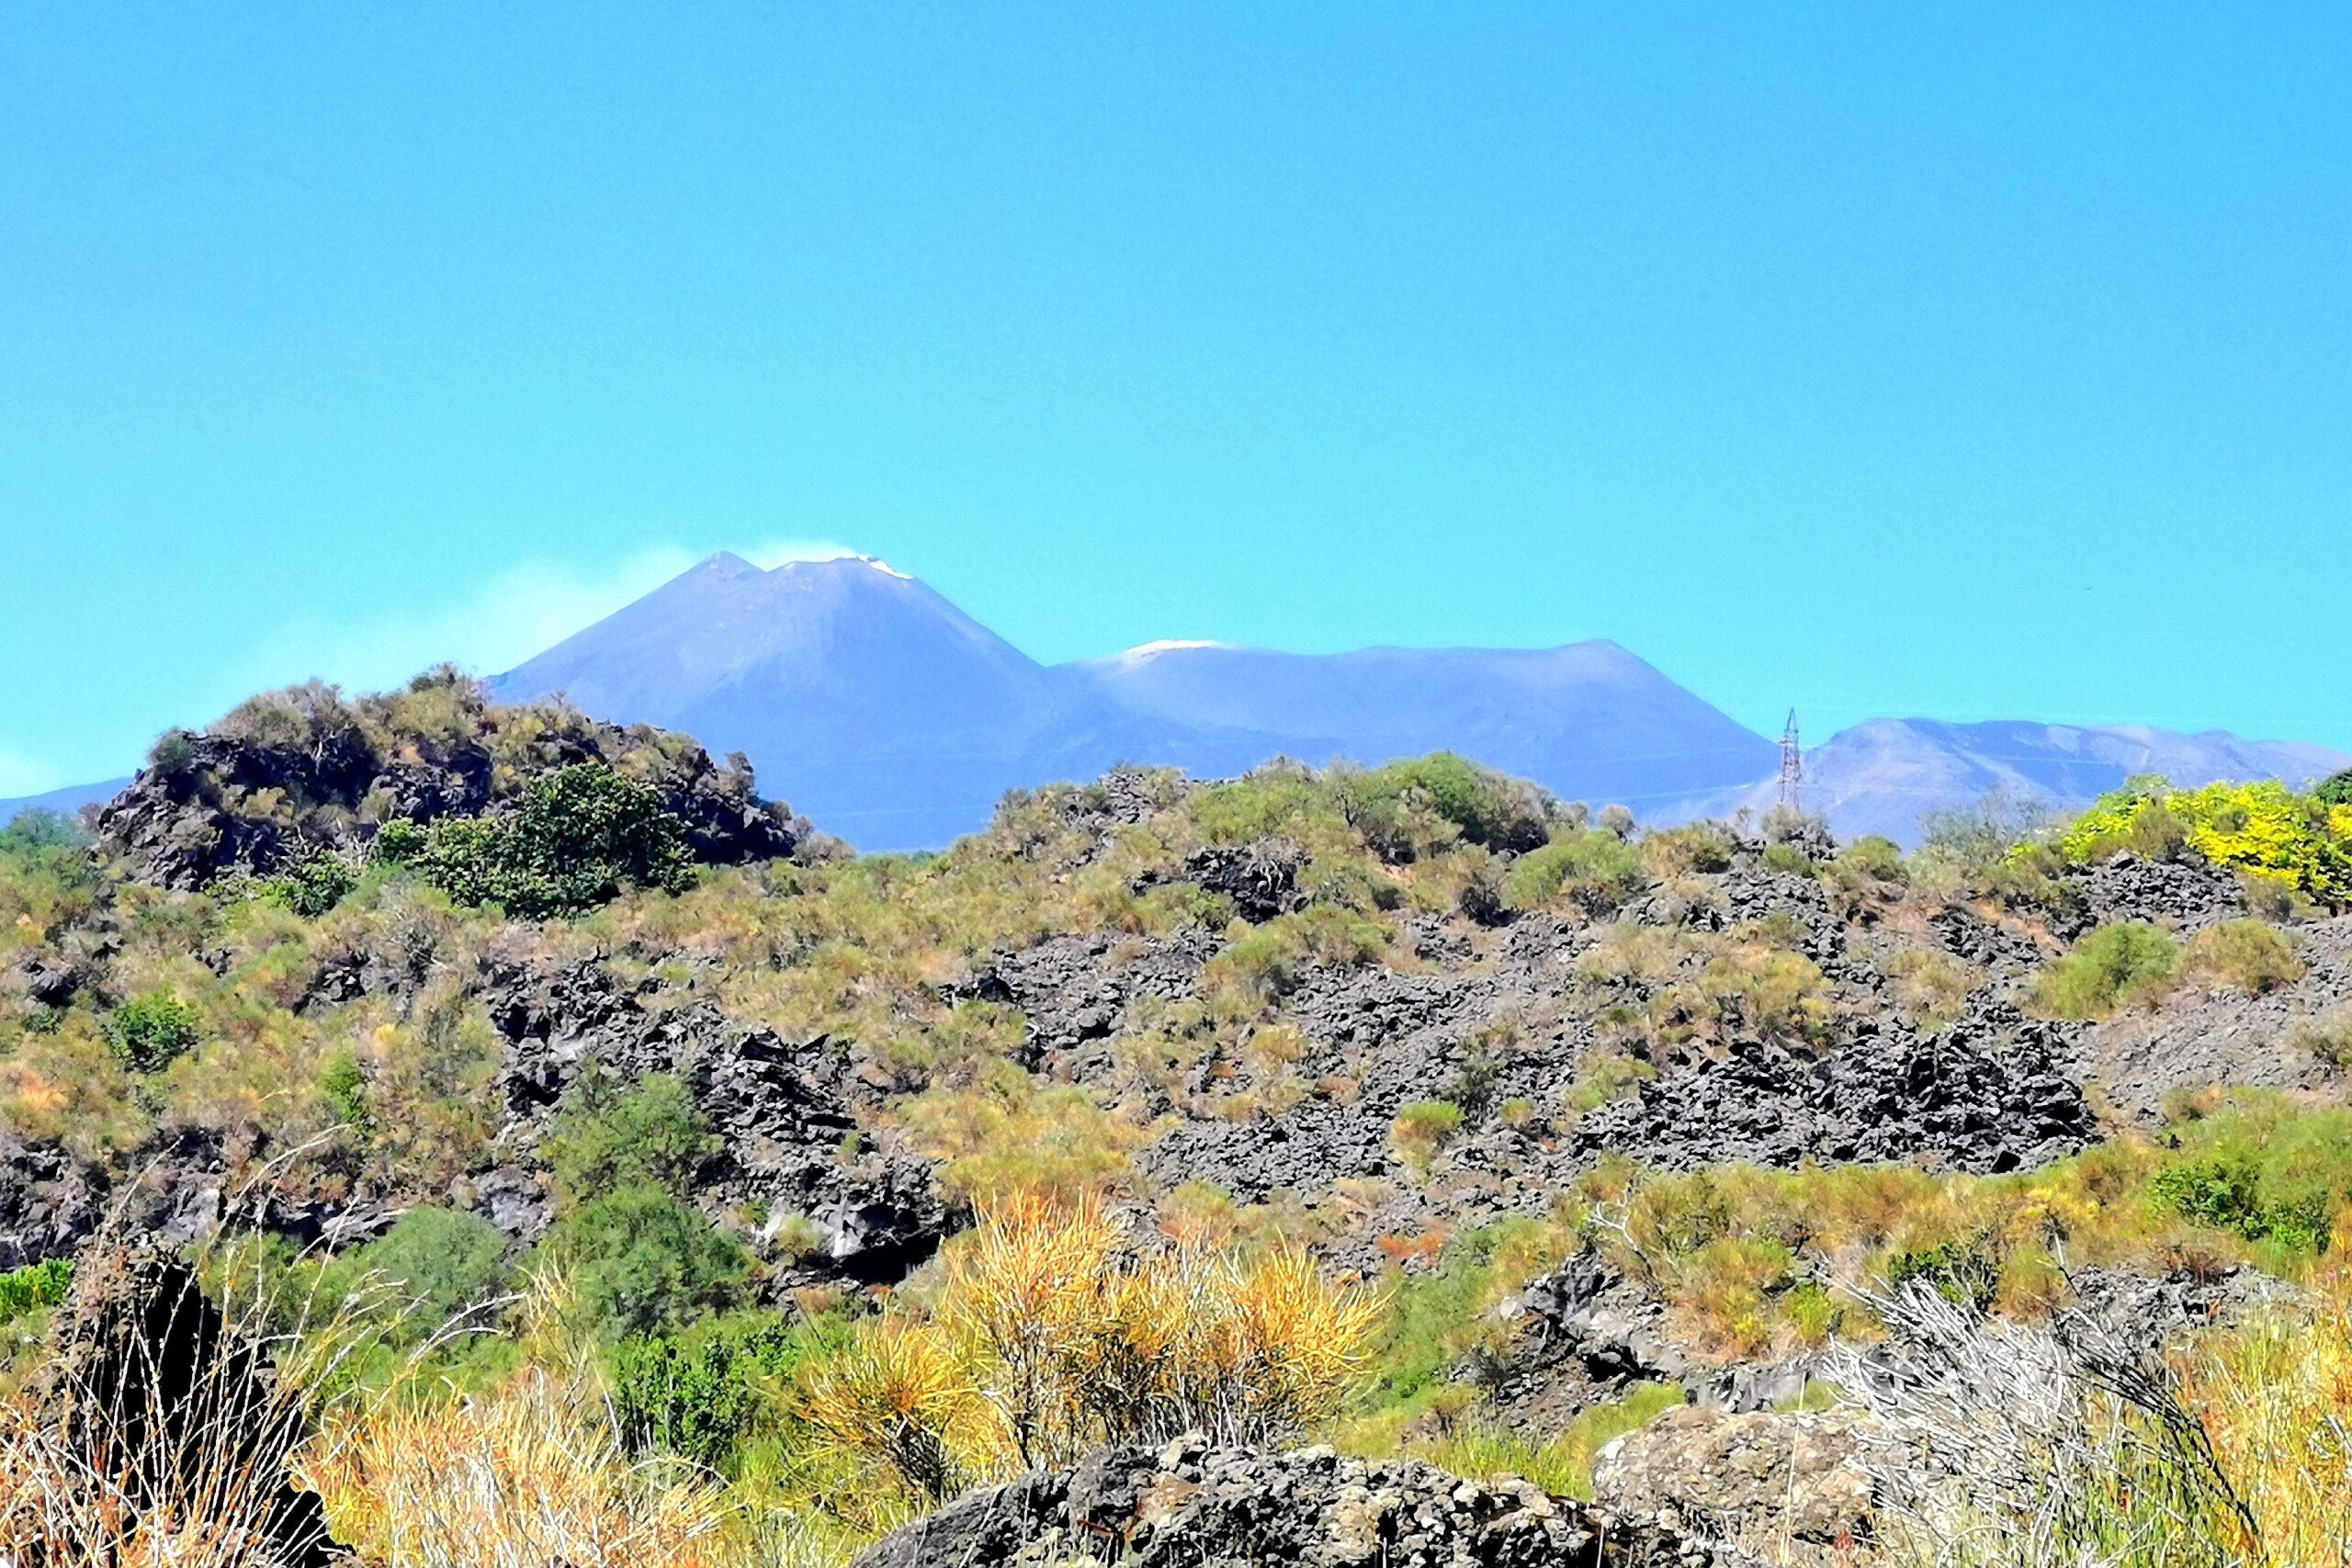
(1199, 1505)
(1986, 1096)
(148, 1386)
(1754, 1479)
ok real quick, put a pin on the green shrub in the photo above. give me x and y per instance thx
(1484, 807)
(34, 1288)
(398, 842)
(697, 1395)
(148, 1032)
(2112, 966)
(607, 1137)
(2249, 954)
(2336, 789)
(344, 1086)
(442, 1261)
(2230, 1194)
(1870, 859)
(39, 831)
(1703, 846)
(2328, 1037)
(1422, 1128)
(1594, 869)
(641, 1262)
(310, 886)
(1966, 1272)
(2256, 1163)
(579, 836)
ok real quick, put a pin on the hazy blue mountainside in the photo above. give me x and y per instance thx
(70, 799)
(897, 721)
(1883, 775)
(1590, 721)
(879, 709)
(858, 692)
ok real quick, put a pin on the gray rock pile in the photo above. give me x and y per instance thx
(1754, 1481)
(1985, 1096)
(1193, 1506)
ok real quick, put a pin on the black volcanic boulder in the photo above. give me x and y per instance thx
(168, 1410)
(1193, 1505)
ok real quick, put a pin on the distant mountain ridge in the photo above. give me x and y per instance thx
(1883, 774)
(66, 802)
(876, 706)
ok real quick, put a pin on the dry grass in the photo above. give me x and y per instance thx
(2276, 1397)
(59, 1509)
(529, 1476)
(1053, 1334)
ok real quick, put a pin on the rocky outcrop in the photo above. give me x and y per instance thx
(2184, 894)
(1985, 1096)
(1585, 1332)
(1753, 1481)
(209, 805)
(1194, 1506)
(2150, 1311)
(1261, 880)
(781, 1109)
(49, 1201)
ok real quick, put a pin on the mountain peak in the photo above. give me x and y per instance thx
(722, 566)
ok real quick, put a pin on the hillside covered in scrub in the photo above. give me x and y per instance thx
(533, 1085)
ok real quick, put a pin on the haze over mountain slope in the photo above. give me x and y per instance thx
(1590, 720)
(875, 706)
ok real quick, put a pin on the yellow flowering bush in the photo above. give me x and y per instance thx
(2263, 828)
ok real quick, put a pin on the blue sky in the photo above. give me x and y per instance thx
(1980, 361)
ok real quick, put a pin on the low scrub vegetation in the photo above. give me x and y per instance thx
(2120, 965)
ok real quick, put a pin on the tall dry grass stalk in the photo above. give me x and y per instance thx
(159, 1425)
(2013, 1445)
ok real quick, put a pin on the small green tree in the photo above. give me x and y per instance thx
(697, 1395)
(2114, 964)
(607, 1137)
(1594, 869)
(644, 1263)
(442, 1261)
(310, 886)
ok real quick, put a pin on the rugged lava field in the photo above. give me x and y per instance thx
(563, 1155)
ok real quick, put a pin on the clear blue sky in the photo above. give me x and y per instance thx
(1977, 361)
